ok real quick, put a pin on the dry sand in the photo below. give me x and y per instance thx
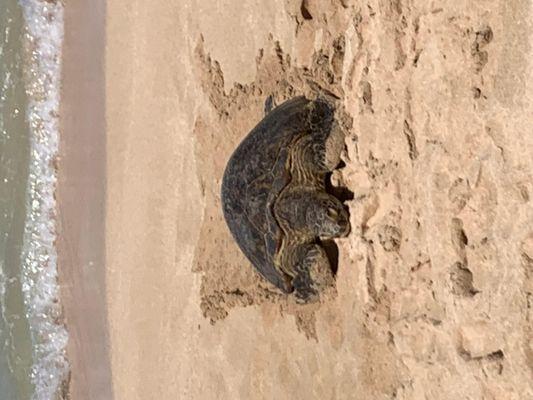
(434, 287)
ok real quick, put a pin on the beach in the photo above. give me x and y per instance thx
(435, 281)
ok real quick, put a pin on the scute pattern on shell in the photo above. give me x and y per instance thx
(258, 171)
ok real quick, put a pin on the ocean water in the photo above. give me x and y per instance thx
(33, 362)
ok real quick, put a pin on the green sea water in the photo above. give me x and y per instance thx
(15, 339)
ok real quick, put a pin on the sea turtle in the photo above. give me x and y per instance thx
(274, 195)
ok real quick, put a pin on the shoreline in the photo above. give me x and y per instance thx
(81, 200)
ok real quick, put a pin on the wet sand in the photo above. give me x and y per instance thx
(81, 200)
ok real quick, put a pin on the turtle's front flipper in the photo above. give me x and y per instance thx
(313, 273)
(269, 104)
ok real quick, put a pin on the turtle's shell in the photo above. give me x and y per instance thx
(258, 171)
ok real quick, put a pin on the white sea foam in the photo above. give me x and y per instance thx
(44, 24)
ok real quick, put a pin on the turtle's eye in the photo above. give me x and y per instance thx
(332, 213)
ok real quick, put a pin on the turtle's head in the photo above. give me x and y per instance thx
(328, 217)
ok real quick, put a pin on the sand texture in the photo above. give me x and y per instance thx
(434, 288)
